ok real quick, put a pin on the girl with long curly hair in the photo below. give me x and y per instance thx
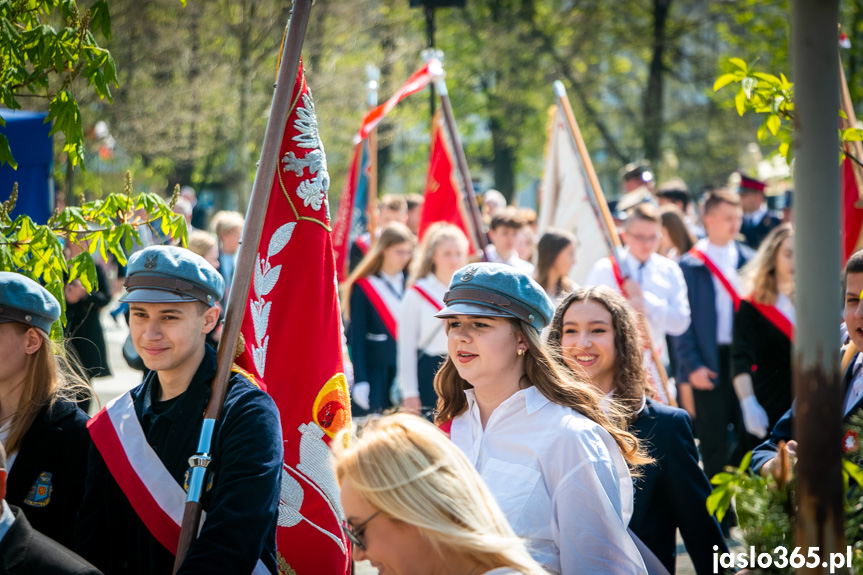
(596, 334)
(555, 462)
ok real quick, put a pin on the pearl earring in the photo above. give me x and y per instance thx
(520, 351)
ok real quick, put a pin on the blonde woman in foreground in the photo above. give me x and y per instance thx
(416, 506)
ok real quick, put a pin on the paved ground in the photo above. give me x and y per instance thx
(125, 378)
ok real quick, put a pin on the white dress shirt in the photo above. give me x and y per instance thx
(755, 217)
(560, 480)
(725, 257)
(664, 289)
(513, 260)
(786, 307)
(419, 327)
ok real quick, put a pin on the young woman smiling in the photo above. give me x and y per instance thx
(597, 332)
(554, 461)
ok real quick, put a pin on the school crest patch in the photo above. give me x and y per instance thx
(40, 493)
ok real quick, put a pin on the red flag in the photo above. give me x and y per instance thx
(852, 216)
(292, 338)
(443, 196)
(415, 83)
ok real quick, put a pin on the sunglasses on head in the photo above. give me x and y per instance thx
(354, 534)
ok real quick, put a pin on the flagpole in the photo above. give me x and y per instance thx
(373, 75)
(603, 214)
(449, 120)
(267, 166)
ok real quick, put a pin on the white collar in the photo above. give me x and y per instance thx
(758, 215)
(533, 399)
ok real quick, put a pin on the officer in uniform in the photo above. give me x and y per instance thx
(131, 526)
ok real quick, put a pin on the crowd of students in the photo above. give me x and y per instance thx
(507, 375)
(536, 433)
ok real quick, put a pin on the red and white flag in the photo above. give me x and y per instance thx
(444, 200)
(292, 337)
(565, 203)
(419, 80)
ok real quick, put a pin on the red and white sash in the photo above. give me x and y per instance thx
(717, 273)
(428, 297)
(384, 299)
(775, 316)
(618, 275)
(364, 242)
(155, 495)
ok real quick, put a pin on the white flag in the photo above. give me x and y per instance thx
(565, 201)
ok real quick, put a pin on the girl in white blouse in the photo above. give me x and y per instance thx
(557, 465)
(421, 336)
(414, 505)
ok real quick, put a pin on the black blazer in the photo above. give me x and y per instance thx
(56, 444)
(25, 551)
(672, 493)
(760, 349)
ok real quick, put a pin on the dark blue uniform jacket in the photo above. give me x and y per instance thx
(784, 428)
(697, 346)
(241, 505)
(672, 493)
(53, 453)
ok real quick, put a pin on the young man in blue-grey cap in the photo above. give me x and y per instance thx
(130, 521)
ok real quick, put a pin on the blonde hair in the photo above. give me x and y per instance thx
(558, 384)
(392, 234)
(411, 472)
(759, 274)
(49, 377)
(224, 222)
(201, 242)
(437, 234)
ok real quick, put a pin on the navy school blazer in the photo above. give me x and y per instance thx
(697, 346)
(672, 493)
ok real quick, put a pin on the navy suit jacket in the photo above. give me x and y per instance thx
(755, 234)
(697, 346)
(784, 428)
(672, 493)
(371, 344)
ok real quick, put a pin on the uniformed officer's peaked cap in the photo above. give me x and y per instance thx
(497, 290)
(171, 274)
(24, 301)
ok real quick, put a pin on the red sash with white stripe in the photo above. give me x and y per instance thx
(156, 497)
(618, 276)
(428, 297)
(717, 273)
(380, 302)
(774, 316)
(364, 242)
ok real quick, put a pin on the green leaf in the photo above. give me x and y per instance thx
(853, 471)
(773, 122)
(737, 62)
(6, 153)
(724, 80)
(740, 102)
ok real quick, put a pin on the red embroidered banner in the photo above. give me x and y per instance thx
(292, 336)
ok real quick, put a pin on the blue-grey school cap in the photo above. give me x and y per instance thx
(160, 274)
(24, 301)
(497, 290)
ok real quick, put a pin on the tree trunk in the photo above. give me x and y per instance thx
(244, 130)
(653, 122)
(504, 161)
